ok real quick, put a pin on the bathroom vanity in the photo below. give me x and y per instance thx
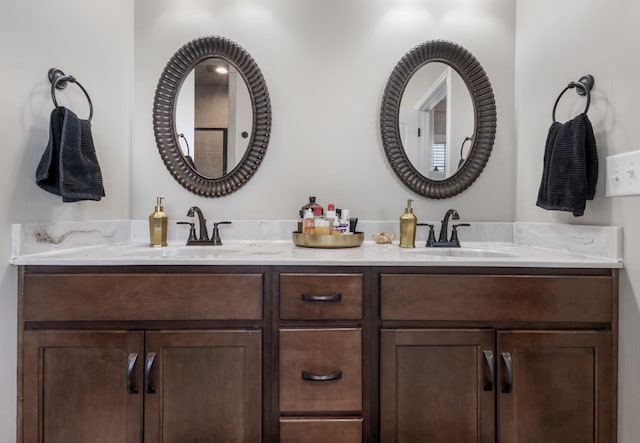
(522, 356)
(187, 346)
(128, 344)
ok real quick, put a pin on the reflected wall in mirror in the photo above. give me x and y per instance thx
(438, 119)
(213, 113)
(212, 116)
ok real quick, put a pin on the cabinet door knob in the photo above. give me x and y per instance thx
(133, 357)
(506, 358)
(488, 358)
(327, 298)
(151, 357)
(314, 377)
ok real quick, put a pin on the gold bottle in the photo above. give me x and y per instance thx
(408, 223)
(158, 226)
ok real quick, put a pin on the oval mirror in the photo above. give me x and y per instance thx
(438, 119)
(212, 116)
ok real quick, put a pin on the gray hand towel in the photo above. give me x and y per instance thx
(69, 166)
(570, 170)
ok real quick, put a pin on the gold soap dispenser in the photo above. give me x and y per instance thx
(158, 226)
(408, 223)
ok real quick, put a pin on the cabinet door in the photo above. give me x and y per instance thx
(82, 386)
(555, 387)
(203, 386)
(437, 386)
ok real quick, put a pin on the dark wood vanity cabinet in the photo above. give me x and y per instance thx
(320, 357)
(455, 385)
(509, 358)
(123, 357)
(317, 354)
(108, 386)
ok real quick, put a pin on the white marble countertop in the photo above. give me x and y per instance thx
(122, 243)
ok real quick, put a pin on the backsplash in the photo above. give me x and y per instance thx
(588, 240)
(32, 238)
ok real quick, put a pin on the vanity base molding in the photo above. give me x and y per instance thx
(317, 353)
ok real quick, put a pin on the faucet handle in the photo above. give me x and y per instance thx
(192, 230)
(454, 232)
(215, 237)
(432, 237)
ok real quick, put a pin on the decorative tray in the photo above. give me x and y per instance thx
(328, 241)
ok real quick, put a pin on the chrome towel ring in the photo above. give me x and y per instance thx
(59, 80)
(582, 86)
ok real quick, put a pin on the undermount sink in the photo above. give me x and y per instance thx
(179, 252)
(462, 252)
(204, 252)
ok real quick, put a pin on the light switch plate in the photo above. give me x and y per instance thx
(623, 174)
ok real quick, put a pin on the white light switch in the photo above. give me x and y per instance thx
(623, 174)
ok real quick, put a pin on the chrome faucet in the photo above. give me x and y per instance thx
(203, 234)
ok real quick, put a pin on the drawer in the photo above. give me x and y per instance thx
(122, 297)
(497, 298)
(320, 370)
(321, 296)
(320, 430)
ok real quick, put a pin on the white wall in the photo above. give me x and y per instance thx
(558, 42)
(326, 64)
(93, 42)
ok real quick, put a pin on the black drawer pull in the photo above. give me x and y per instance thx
(313, 377)
(133, 357)
(328, 298)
